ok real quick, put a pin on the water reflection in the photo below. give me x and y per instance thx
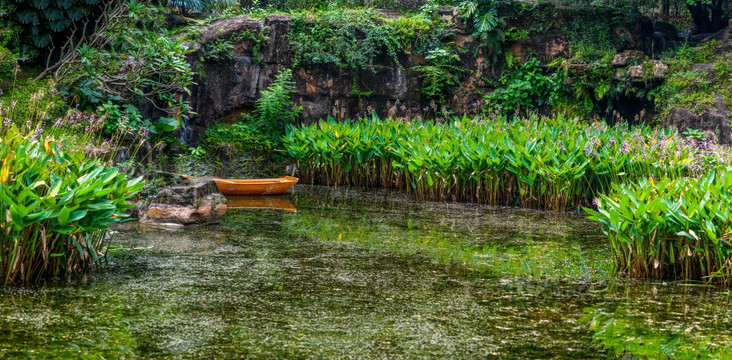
(260, 202)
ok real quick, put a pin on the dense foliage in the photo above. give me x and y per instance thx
(354, 39)
(55, 206)
(548, 162)
(258, 135)
(671, 229)
(42, 21)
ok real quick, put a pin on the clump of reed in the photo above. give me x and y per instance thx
(537, 162)
(672, 228)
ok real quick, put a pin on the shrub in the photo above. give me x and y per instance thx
(8, 64)
(525, 88)
(671, 229)
(33, 100)
(55, 206)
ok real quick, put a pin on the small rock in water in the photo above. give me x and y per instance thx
(195, 201)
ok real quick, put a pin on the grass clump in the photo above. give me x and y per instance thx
(537, 162)
(671, 229)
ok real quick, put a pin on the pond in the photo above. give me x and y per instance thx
(364, 274)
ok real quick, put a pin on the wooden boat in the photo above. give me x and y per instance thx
(259, 202)
(255, 187)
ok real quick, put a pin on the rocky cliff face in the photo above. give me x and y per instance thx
(226, 88)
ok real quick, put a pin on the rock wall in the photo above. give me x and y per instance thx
(225, 89)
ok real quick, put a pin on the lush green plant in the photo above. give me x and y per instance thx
(275, 109)
(130, 60)
(353, 39)
(32, 100)
(488, 25)
(259, 134)
(42, 21)
(347, 38)
(258, 39)
(551, 163)
(55, 206)
(236, 139)
(442, 74)
(692, 88)
(671, 229)
(201, 5)
(8, 64)
(525, 88)
(123, 118)
(218, 50)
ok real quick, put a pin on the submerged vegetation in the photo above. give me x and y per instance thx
(539, 162)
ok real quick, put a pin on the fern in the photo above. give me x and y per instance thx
(275, 108)
(487, 24)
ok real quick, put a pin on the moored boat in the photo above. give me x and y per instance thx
(255, 187)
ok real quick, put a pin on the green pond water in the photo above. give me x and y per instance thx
(365, 274)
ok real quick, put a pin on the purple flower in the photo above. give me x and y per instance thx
(588, 149)
(595, 203)
(77, 106)
(7, 122)
(625, 150)
(37, 133)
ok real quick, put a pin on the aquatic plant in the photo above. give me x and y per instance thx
(671, 229)
(55, 206)
(538, 162)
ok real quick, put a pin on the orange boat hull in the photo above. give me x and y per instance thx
(255, 187)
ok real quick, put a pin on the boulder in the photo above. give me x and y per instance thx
(194, 201)
(625, 58)
(660, 70)
(716, 118)
(635, 71)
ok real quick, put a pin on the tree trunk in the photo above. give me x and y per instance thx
(665, 7)
(707, 17)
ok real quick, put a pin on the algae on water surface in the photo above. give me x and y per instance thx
(358, 274)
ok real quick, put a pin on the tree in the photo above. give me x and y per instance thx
(709, 15)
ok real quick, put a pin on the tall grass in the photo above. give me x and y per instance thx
(538, 162)
(671, 229)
